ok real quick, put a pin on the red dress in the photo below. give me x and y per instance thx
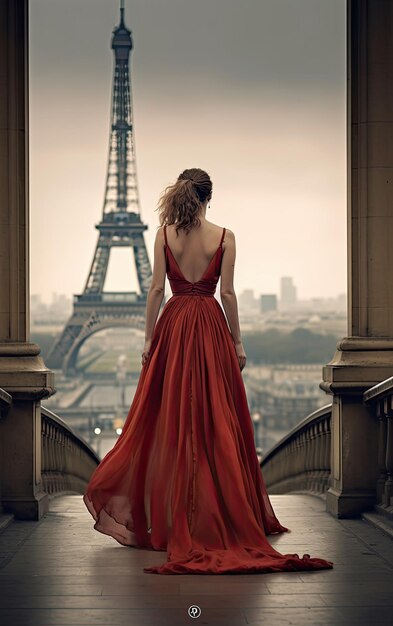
(183, 476)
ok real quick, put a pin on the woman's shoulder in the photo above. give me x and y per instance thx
(229, 235)
(160, 235)
(220, 229)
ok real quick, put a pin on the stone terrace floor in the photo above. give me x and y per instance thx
(60, 571)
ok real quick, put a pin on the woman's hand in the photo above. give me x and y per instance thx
(241, 355)
(146, 351)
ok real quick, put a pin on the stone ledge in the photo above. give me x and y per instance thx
(382, 522)
(5, 520)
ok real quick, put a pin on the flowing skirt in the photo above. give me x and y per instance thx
(183, 476)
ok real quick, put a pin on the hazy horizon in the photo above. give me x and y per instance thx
(253, 93)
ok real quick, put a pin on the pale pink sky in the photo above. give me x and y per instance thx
(255, 96)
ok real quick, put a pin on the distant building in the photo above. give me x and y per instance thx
(342, 301)
(288, 292)
(247, 301)
(55, 311)
(268, 302)
(284, 393)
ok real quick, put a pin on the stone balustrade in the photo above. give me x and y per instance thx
(40, 456)
(379, 399)
(67, 460)
(300, 461)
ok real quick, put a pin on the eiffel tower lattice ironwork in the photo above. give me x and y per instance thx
(121, 226)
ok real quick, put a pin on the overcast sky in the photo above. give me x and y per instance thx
(251, 91)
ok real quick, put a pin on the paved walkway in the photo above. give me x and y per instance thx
(60, 571)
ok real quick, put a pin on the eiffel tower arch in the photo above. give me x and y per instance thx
(120, 226)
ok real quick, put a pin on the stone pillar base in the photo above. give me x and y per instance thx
(358, 364)
(28, 509)
(342, 505)
(24, 376)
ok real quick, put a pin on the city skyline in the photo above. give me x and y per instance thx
(288, 136)
(55, 295)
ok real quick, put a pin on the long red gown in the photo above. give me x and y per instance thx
(184, 476)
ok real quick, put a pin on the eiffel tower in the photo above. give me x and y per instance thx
(121, 226)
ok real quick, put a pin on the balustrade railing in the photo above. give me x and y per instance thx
(380, 400)
(67, 460)
(300, 461)
(5, 402)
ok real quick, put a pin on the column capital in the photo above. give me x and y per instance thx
(358, 364)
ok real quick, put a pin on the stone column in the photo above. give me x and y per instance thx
(365, 356)
(22, 371)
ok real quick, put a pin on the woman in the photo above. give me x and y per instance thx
(183, 475)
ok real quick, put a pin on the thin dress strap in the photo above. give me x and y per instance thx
(166, 241)
(222, 237)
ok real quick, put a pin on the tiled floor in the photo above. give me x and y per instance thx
(60, 571)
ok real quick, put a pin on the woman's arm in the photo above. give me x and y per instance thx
(228, 295)
(156, 291)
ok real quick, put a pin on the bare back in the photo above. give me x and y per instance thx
(193, 252)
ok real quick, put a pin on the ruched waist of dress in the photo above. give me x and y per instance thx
(194, 293)
(182, 287)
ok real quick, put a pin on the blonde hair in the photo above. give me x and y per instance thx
(180, 203)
